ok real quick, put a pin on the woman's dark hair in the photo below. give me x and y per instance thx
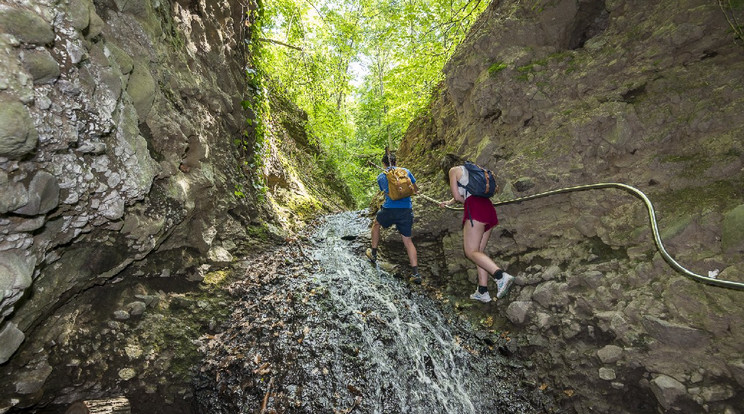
(448, 161)
(391, 162)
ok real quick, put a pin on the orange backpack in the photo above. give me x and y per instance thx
(399, 183)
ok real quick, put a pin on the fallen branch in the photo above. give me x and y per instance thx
(116, 405)
(266, 397)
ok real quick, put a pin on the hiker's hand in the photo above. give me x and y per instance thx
(447, 203)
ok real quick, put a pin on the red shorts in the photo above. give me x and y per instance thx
(481, 210)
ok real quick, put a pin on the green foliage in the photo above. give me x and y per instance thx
(496, 68)
(253, 140)
(361, 69)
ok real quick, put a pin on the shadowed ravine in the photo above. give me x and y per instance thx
(351, 338)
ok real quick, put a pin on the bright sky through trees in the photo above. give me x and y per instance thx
(360, 69)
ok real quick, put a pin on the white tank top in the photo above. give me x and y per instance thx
(464, 180)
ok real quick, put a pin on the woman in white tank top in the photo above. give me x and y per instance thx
(479, 218)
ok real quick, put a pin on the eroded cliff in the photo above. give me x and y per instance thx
(125, 155)
(554, 94)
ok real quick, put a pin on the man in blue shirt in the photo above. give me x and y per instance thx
(398, 212)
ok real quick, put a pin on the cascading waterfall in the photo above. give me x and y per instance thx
(418, 364)
(370, 343)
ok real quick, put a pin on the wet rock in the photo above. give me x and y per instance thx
(18, 135)
(10, 339)
(25, 25)
(41, 65)
(43, 195)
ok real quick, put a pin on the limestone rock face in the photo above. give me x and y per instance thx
(118, 157)
(125, 154)
(555, 94)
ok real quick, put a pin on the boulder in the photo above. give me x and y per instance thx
(610, 354)
(668, 391)
(25, 25)
(18, 135)
(10, 339)
(518, 312)
(43, 195)
(141, 88)
(41, 65)
(675, 334)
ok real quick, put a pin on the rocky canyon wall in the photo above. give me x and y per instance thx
(124, 145)
(553, 94)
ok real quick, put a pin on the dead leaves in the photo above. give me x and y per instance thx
(263, 369)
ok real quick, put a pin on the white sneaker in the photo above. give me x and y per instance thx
(483, 297)
(503, 284)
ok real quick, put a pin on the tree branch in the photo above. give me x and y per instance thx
(276, 42)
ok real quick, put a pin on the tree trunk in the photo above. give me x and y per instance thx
(116, 405)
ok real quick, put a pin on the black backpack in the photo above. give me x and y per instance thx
(481, 182)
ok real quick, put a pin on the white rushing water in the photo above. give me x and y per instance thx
(414, 362)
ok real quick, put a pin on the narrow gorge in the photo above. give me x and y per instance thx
(154, 230)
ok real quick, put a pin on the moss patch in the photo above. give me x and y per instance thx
(718, 196)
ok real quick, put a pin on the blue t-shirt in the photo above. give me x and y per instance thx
(382, 182)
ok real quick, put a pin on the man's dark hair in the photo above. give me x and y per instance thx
(389, 163)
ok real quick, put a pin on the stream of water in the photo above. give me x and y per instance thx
(373, 343)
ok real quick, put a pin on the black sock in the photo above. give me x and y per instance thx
(482, 289)
(415, 270)
(374, 252)
(498, 274)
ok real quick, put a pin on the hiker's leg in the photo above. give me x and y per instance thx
(472, 236)
(375, 234)
(483, 275)
(411, 250)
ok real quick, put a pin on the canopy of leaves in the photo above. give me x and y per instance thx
(360, 69)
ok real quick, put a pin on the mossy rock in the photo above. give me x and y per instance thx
(26, 26)
(732, 238)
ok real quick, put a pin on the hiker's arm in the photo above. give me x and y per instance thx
(415, 189)
(447, 203)
(454, 175)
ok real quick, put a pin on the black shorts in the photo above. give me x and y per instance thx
(401, 217)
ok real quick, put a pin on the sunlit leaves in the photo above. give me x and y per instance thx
(361, 69)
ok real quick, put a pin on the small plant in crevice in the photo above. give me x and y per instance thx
(496, 68)
(730, 9)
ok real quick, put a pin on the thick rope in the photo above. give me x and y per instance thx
(652, 219)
